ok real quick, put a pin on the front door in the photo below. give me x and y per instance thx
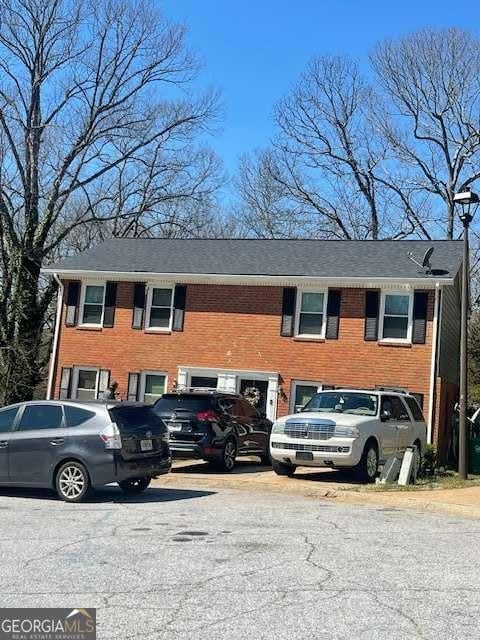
(255, 392)
(7, 420)
(36, 443)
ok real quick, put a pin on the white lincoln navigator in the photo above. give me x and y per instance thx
(348, 428)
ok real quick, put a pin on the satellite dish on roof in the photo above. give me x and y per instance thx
(425, 264)
(426, 259)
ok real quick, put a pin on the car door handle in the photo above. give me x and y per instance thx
(57, 441)
(3, 444)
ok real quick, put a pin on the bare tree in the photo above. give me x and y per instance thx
(431, 116)
(92, 93)
(328, 173)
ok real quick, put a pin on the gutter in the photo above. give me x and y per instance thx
(433, 365)
(56, 334)
(249, 279)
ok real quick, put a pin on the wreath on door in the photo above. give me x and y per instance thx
(252, 395)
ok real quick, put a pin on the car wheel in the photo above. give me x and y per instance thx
(228, 455)
(72, 482)
(367, 468)
(282, 469)
(134, 485)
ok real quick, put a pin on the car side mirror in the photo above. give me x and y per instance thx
(385, 415)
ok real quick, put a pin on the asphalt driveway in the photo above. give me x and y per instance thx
(221, 563)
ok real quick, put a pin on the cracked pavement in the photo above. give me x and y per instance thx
(187, 562)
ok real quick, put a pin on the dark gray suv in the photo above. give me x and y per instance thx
(75, 446)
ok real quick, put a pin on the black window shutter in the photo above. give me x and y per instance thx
(288, 311)
(420, 301)
(65, 383)
(372, 303)
(110, 302)
(73, 292)
(138, 305)
(179, 307)
(132, 395)
(333, 314)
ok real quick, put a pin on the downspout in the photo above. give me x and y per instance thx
(56, 333)
(433, 365)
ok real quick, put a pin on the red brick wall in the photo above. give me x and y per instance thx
(235, 327)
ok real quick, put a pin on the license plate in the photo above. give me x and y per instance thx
(304, 455)
(146, 445)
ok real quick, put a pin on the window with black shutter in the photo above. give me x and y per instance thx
(110, 302)
(333, 314)
(288, 311)
(372, 308)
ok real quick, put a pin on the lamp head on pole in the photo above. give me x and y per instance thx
(466, 198)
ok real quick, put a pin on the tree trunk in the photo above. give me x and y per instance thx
(22, 357)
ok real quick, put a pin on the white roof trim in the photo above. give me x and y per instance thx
(246, 279)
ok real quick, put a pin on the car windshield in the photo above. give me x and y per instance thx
(363, 404)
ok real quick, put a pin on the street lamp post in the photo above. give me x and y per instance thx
(465, 198)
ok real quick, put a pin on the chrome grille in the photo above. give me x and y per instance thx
(311, 429)
(300, 446)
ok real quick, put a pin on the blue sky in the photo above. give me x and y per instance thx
(253, 51)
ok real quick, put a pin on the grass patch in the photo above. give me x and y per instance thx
(442, 480)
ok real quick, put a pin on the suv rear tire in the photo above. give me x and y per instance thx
(226, 461)
(134, 485)
(72, 482)
(282, 469)
(367, 468)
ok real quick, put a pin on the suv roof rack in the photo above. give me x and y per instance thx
(392, 389)
(204, 390)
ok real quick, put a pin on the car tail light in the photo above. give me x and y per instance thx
(111, 437)
(207, 416)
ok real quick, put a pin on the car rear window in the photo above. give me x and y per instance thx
(134, 417)
(75, 416)
(193, 403)
(414, 408)
(41, 416)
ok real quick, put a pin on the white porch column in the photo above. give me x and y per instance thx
(272, 397)
(182, 378)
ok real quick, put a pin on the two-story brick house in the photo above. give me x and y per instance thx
(286, 317)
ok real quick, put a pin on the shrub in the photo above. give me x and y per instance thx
(429, 461)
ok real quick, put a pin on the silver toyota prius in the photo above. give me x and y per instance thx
(74, 446)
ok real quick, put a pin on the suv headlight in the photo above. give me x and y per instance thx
(346, 432)
(278, 427)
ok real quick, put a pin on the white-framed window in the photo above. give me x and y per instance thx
(302, 392)
(396, 311)
(85, 383)
(311, 314)
(159, 308)
(153, 384)
(92, 304)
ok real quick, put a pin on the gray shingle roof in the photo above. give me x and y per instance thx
(311, 258)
